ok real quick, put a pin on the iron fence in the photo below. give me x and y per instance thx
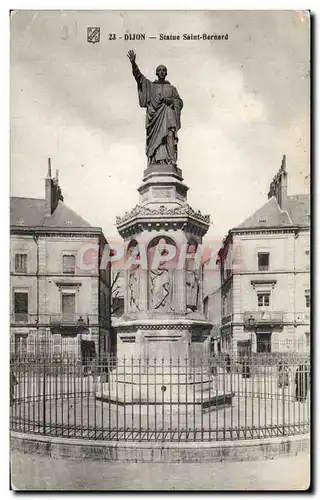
(226, 397)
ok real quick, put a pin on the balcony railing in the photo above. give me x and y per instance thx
(58, 319)
(263, 317)
(24, 318)
(70, 318)
(255, 318)
(303, 317)
(263, 268)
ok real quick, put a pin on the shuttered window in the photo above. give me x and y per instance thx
(68, 303)
(21, 263)
(263, 261)
(69, 264)
(68, 307)
(21, 306)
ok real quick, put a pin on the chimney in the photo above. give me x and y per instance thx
(53, 191)
(48, 189)
(279, 185)
(283, 185)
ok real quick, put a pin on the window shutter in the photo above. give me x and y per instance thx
(21, 263)
(68, 304)
(21, 306)
(21, 303)
(69, 264)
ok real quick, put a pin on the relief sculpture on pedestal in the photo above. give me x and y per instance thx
(160, 277)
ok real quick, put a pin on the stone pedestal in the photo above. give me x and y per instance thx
(163, 336)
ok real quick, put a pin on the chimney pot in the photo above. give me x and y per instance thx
(49, 168)
(284, 163)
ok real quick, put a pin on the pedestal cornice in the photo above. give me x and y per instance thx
(142, 218)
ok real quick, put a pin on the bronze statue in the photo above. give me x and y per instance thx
(163, 112)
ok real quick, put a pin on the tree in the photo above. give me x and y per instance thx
(117, 291)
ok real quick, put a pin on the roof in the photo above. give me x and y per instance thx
(299, 209)
(30, 212)
(271, 215)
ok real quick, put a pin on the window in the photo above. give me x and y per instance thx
(307, 340)
(225, 306)
(20, 344)
(263, 261)
(244, 348)
(68, 306)
(307, 265)
(206, 307)
(69, 264)
(307, 297)
(21, 306)
(21, 263)
(57, 344)
(264, 342)
(263, 299)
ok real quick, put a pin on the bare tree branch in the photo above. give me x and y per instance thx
(115, 277)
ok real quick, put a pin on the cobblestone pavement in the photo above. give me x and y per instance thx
(31, 472)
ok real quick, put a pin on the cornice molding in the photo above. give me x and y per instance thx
(134, 328)
(269, 230)
(137, 226)
(263, 282)
(142, 211)
(48, 232)
(68, 284)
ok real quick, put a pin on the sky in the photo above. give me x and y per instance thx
(246, 103)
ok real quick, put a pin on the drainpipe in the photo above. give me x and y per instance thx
(101, 339)
(35, 239)
(100, 346)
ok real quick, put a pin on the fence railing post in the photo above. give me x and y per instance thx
(44, 397)
(266, 402)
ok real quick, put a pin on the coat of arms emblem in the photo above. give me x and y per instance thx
(93, 34)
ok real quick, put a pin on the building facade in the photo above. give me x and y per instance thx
(265, 275)
(60, 296)
(212, 304)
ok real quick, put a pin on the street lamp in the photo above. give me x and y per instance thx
(246, 371)
(251, 322)
(82, 328)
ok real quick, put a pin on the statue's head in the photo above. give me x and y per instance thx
(161, 72)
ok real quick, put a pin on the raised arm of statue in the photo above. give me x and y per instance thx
(135, 70)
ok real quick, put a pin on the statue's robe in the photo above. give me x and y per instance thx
(160, 117)
(161, 275)
(160, 283)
